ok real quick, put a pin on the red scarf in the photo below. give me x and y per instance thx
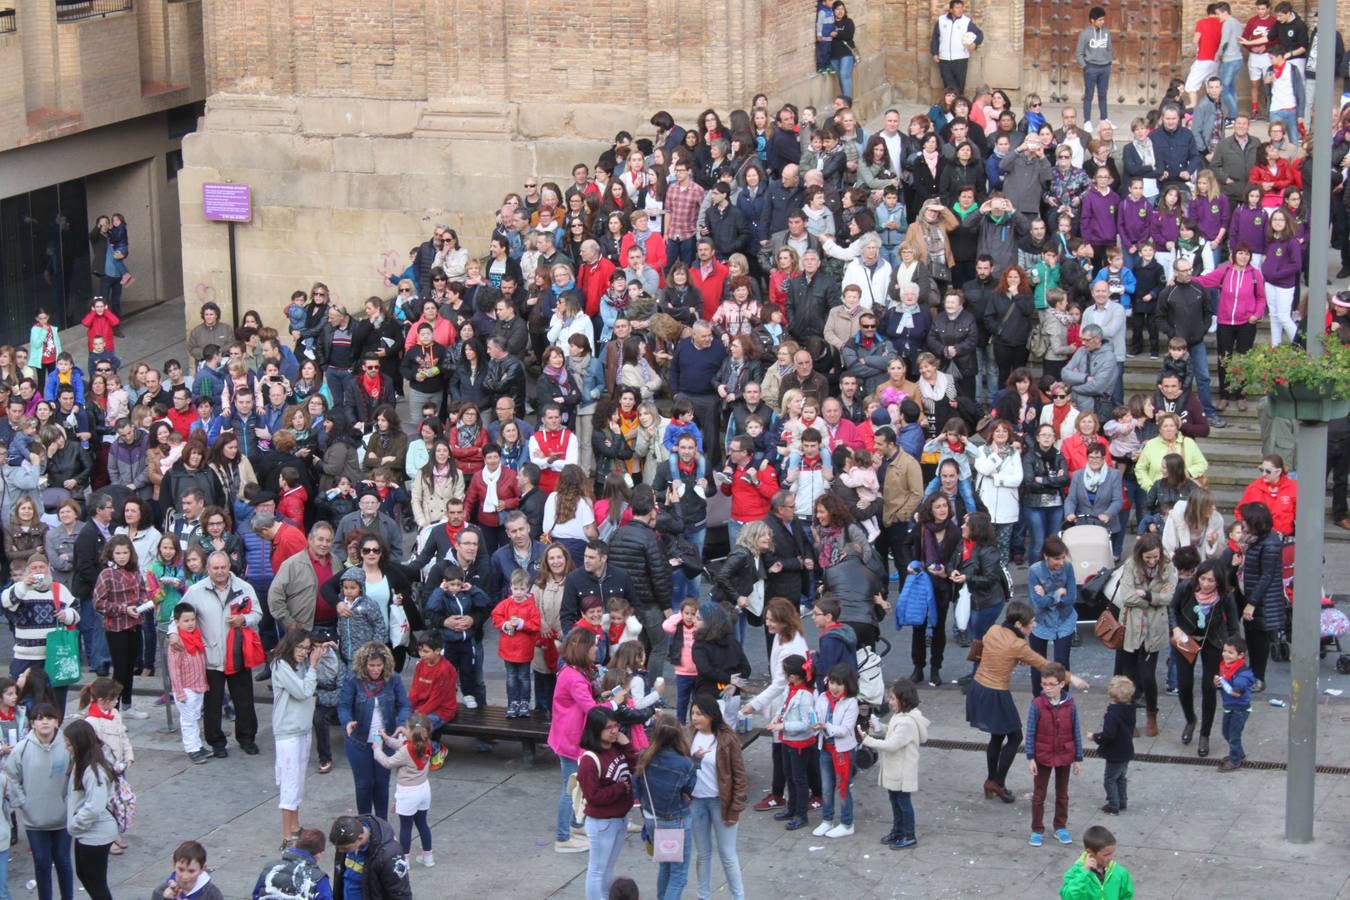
(7, 716)
(1058, 414)
(615, 632)
(97, 712)
(967, 548)
(419, 762)
(1228, 669)
(193, 642)
(628, 417)
(372, 384)
(689, 469)
(839, 761)
(956, 446)
(804, 742)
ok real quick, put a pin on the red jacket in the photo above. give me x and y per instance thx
(654, 251)
(593, 281)
(846, 434)
(750, 502)
(182, 421)
(1075, 450)
(1053, 732)
(100, 326)
(711, 287)
(467, 459)
(433, 690)
(1282, 501)
(517, 647)
(291, 505)
(1281, 178)
(508, 498)
(288, 541)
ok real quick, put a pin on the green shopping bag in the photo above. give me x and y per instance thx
(63, 657)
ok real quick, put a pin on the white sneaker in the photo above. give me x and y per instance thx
(427, 859)
(823, 829)
(132, 712)
(839, 831)
(572, 845)
(1087, 126)
(470, 702)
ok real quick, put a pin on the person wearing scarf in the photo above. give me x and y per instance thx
(1139, 160)
(1204, 613)
(837, 721)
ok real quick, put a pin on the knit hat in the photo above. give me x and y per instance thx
(881, 417)
(354, 573)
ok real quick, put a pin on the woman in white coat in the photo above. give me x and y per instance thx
(998, 481)
(1195, 522)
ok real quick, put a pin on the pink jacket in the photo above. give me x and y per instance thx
(1242, 292)
(572, 699)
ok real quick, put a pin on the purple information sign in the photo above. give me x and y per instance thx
(227, 202)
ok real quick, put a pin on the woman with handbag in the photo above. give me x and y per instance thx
(1147, 582)
(666, 779)
(604, 769)
(1204, 616)
(982, 575)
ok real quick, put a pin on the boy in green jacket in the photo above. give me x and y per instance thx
(1096, 875)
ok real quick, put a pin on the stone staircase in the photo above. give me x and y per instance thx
(1233, 452)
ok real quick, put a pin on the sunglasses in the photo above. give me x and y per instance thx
(1035, 106)
(530, 187)
(1266, 470)
(372, 368)
(408, 290)
(370, 551)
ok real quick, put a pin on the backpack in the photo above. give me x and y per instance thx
(871, 681)
(1039, 343)
(574, 787)
(293, 878)
(122, 803)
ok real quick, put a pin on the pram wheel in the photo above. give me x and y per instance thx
(1343, 664)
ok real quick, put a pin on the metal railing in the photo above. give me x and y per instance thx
(8, 22)
(74, 10)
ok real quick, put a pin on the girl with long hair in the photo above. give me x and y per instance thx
(665, 782)
(89, 788)
(293, 664)
(719, 795)
(411, 764)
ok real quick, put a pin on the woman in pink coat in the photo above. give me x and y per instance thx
(1242, 302)
(573, 698)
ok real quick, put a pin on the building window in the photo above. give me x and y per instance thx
(173, 161)
(8, 23)
(182, 120)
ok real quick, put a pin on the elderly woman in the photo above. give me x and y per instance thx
(906, 323)
(1148, 468)
(953, 339)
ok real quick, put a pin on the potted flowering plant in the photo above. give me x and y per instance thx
(1299, 386)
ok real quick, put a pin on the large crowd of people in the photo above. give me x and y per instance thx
(877, 361)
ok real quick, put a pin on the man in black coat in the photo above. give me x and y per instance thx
(725, 224)
(89, 545)
(595, 578)
(793, 554)
(636, 548)
(505, 374)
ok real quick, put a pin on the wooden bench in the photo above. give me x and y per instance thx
(489, 723)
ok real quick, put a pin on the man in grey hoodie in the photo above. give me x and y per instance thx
(1093, 55)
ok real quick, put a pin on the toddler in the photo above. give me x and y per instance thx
(517, 618)
(1178, 363)
(763, 438)
(1115, 742)
(119, 249)
(1235, 679)
(681, 627)
(863, 479)
(296, 316)
(681, 423)
(898, 753)
(952, 444)
(622, 625)
(457, 605)
(411, 764)
(1123, 432)
(99, 352)
(1119, 279)
(1053, 713)
(187, 677)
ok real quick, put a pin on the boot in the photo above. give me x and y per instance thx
(1152, 730)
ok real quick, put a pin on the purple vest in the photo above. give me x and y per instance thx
(1098, 225)
(1283, 262)
(1133, 220)
(1248, 226)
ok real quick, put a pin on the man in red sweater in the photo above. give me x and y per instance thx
(286, 539)
(433, 687)
(749, 488)
(593, 276)
(709, 276)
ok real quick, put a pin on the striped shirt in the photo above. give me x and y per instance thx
(682, 205)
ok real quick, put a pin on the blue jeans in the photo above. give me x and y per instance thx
(822, 55)
(1060, 655)
(986, 381)
(1200, 363)
(1234, 720)
(1228, 75)
(1042, 521)
(1114, 781)
(681, 584)
(844, 65)
(681, 250)
(902, 813)
(338, 380)
(606, 836)
(672, 877)
(707, 814)
(1096, 79)
(684, 692)
(371, 778)
(827, 790)
(564, 829)
(981, 620)
(52, 848)
(544, 683)
(92, 638)
(733, 531)
(517, 682)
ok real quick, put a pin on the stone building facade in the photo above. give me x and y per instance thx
(360, 126)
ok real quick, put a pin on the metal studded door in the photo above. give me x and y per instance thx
(1146, 44)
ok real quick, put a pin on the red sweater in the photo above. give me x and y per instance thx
(711, 287)
(517, 647)
(593, 281)
(291, 506)
(101, 326)
(182, 421)
(433, 690)
(750, 502)
(608, 787)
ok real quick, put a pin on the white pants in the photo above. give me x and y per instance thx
(1280, 304)
(409, 800)
(292, 755)
(190, 720)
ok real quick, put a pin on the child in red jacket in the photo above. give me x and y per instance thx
(517, 618)
(434, 685)
(291, 504)
(100, 322)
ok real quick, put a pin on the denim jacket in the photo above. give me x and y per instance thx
(670, 778)
(1055, 616)
(356, 705)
